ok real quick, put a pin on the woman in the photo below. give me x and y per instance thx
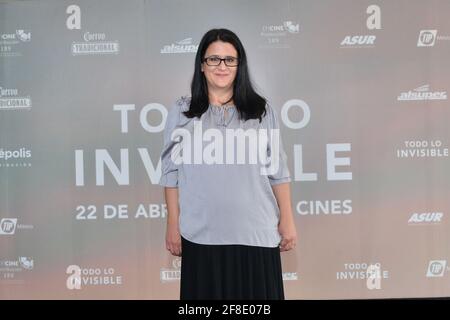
(228, 220)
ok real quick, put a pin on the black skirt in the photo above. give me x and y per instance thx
(230, 272)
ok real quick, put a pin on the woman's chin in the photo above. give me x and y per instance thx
(222, 85)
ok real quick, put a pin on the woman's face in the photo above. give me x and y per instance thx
(221, 76)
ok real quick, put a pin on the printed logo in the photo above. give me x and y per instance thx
(276, 36)
(95, 44)
(11, 269)
(427, 38)
(436, 268)
(80, 277)
(11, 100)
(15, 158)
(10, 43)
(422, 93)
(8, 225)
(182, 46)
(373, 22)
(171, 274)
(372, 273)
(422, 149)
(425, 218)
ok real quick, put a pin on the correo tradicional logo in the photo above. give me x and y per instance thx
(10, 99)
(427, 38)
(436, 268)
(8, 226)
(171, 274)
(95, 44)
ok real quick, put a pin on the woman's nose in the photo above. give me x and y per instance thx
(222, 65)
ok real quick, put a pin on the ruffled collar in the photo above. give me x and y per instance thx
(221, 108)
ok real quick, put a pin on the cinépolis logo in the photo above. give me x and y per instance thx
(12, 269)
(277, 35)
(11, 42)
(15, 157)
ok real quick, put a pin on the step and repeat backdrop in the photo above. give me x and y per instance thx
(361, 91)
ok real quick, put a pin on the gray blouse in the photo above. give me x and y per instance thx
(225, 201)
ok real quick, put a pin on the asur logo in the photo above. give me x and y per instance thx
(365, 41)
(74, 20)
(426, 217)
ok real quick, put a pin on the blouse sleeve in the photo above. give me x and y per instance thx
(169, 170)
(282, 174)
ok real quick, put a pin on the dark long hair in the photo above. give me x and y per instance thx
(249, 104)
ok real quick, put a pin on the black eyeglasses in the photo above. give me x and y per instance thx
(214, 61)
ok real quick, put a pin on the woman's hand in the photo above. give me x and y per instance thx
(173, 238)
(288, 233)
